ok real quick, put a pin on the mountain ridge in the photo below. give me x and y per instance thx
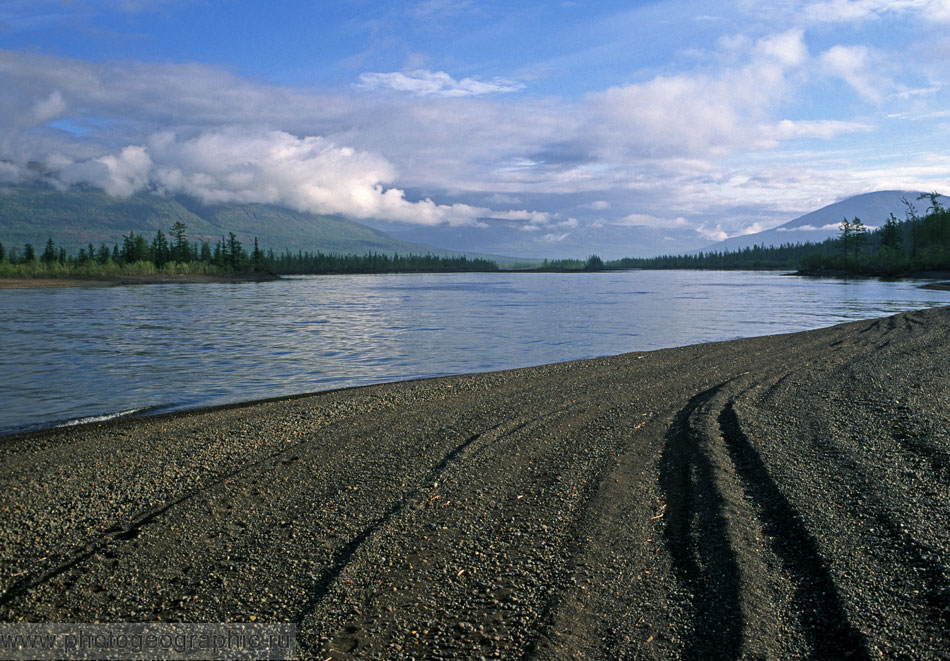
(83, 215)
(816, 226)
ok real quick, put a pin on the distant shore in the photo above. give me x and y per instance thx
(121, 280)
(772, 497)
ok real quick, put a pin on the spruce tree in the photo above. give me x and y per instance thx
(859, 233)
(891, 234)
(160, 250)
(49, 252)
(181, 251)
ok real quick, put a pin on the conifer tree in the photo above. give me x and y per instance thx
(181, 252)
(49, 252)
(160, 250)
(860, 234)
(845, 236)
(891, 233)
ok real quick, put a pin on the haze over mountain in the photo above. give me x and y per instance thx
(872, 208)
(518, 239)
(82, 215)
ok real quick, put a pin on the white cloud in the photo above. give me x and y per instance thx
(435, 83)
(754, 228)
(853, 65)
(690, 145)
(826, 129)
(49, 108)
(308, 174)
(646, 220)
(119, 174)
(713, 234)
(532, 217)
(808, 228)
(704, 114)
(836, 11)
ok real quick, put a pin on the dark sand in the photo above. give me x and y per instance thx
(765, 498)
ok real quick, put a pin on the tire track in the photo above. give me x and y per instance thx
(411, 500)
(703, 560)
(540, 576)
(708, 467)
(824, 621)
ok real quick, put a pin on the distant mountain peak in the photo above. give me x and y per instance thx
(872, 208)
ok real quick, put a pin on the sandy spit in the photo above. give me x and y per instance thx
(764, 498)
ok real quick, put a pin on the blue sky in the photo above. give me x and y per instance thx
(706, 120)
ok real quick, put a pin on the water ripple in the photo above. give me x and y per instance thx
(77, 353)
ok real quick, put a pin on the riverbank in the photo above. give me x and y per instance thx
(123, 280)
(768, 497)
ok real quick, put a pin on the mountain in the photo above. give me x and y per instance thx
(79, 216)
(511, 238)
(872, 208)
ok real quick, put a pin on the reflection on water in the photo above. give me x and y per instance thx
(81, 352)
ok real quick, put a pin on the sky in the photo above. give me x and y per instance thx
(710, 119)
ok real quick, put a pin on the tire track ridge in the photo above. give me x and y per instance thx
(554, 602)
(342, 558)
(825, 623)
(696, 534)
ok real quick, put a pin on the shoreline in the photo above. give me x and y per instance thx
(765, 497)
(124, 280)
(940, 283)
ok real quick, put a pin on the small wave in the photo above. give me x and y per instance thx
(102, 418)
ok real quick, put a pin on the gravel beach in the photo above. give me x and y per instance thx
(775, 497)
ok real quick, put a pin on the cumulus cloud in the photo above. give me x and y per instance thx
(713, 234)
(120, 174)
(704, 113)
(657, 145)
(853, 65)
(308, 174)
(435, 83)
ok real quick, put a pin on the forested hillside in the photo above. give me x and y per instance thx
(80, 216)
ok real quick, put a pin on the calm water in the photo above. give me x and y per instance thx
(76, 353)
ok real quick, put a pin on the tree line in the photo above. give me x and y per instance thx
(919, 242)
(175, 253)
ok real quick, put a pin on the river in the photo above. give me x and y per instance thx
(85, 353)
